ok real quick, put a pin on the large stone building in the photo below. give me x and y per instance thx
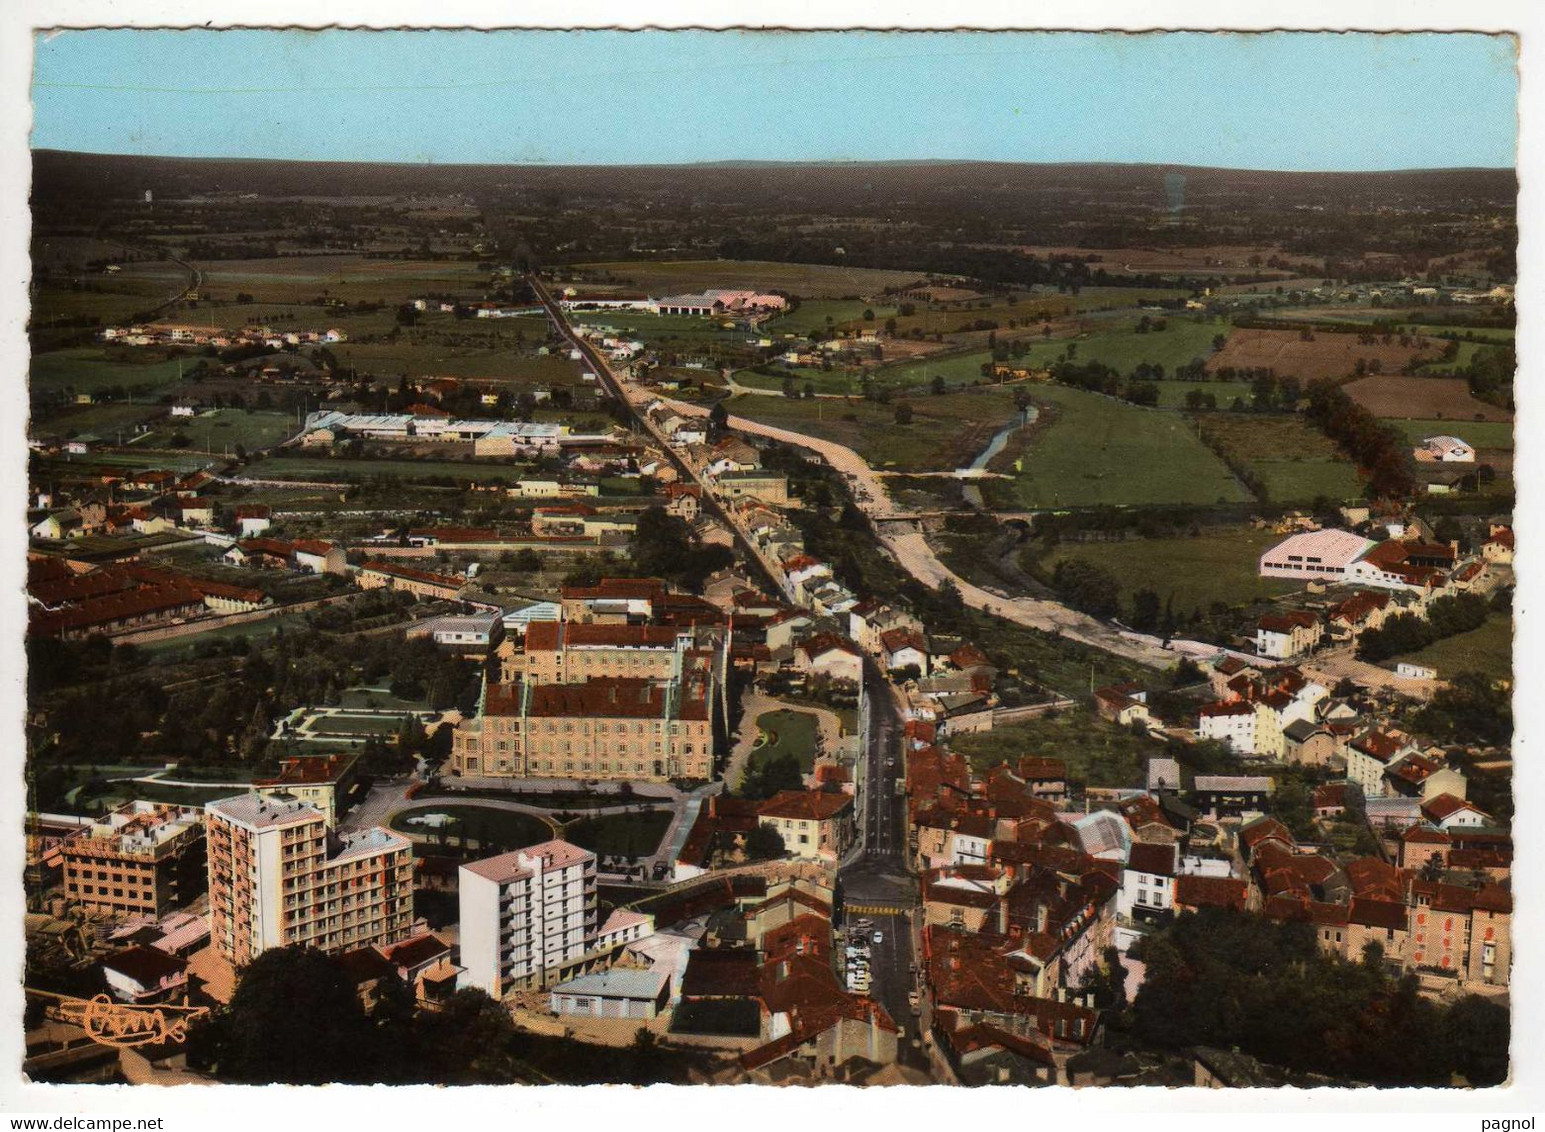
(278, 877)
(563, 652)
(609, 727)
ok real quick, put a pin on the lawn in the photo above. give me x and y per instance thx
(1194, 572)
(1090, 450)
(378, 699)
(946, 431)
(496, 830)
(1295, 462)
(1120, 346)
(1487, 650)
(625, 835)
(354, 725)
(788, 733)
(806, 280)
(1097, 753)
(1480, 434)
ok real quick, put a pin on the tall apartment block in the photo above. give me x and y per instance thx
(143, 859)
(278, 877)
(525, 915)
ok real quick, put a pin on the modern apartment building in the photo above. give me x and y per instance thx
(143, 859)
(526, 915)
(278, 877)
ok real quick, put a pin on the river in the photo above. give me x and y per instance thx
(972, 492)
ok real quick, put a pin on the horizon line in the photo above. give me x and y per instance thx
(792, 162)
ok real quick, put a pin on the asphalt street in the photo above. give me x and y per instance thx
(876, 884)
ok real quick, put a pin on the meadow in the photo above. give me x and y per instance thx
(1480, 434)
(816, 281)
(1295, 462)
(945, 433)
(1091, 450)
(1122, 348)
(1487, 650)
(1193, 571)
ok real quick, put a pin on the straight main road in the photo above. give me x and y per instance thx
(876, 884)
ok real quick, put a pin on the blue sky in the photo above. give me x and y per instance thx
(1274, 101)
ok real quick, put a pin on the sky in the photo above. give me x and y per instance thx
(1299, 101)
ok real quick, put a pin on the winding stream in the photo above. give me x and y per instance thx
(971, 491)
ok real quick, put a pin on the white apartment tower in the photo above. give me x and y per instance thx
(278, 877)
(526, 914)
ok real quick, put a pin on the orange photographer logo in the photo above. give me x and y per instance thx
(122, 1024)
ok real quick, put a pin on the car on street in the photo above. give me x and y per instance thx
(879, 937)
(914, 1000)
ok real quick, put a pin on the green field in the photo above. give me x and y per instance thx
(821, 314)
(179, 648)
(945, 433)
(220, 430)
(321, 468)
(496, 830)
(1487, 650)
(1466, 355)
(116, 303)
(354, 279)
(1481, 434)
(414, 358)
(87, 369)
(1295, 462)
(1121, 347)
(803, 279)
(788, 733)
(626, 835)
(647, 325)
(1100, 451)
(1478, 333)
(1194, 572)
(1172, 394)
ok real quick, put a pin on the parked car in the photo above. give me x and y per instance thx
(879, 937)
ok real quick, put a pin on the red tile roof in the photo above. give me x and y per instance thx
(1211, 892)
(806, 805)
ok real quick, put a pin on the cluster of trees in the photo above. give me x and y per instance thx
(1087, 587)
(765, 777)
(265, 1036)
(1235, 980)
(1408, 632)
(1469, 708)
(1379, 450)
(75, 685)
(665, 546)
(1490, 374)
